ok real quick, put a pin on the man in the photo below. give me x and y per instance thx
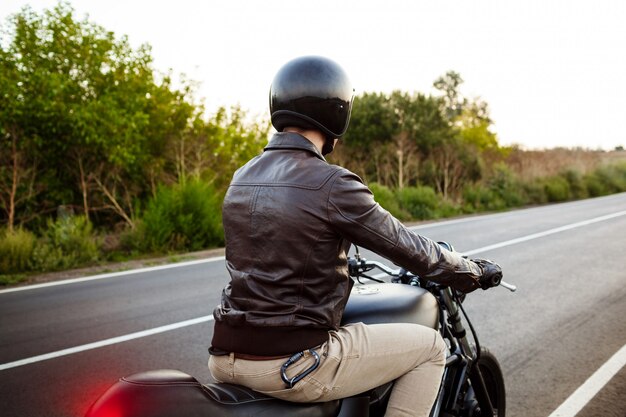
(289, 220)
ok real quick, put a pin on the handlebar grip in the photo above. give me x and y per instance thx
(491, 273)
(495, 280)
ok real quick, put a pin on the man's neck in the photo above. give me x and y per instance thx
(314, 136)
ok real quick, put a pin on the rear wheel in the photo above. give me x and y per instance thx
(494, 382)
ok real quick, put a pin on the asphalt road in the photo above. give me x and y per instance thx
(565, 321)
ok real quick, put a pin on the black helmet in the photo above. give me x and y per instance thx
(312, 92)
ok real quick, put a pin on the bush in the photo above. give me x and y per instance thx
(386, 198)
(48, 257)
(480, 198)
(606, 180)
(131, 243)
(68, 242)
(557, 189)
(534, 193)
(16, 250)
(186, 216)
(506, 188)
(576, 183)
(613, 177)
(595, 185)
(420, 202)
(448, 209)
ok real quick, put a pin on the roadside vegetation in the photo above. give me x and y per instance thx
(103, 158)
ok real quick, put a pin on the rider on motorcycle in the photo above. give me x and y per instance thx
(289, 219)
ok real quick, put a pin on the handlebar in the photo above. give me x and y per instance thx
(494, 281)
(358, 266)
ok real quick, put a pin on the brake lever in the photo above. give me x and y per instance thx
(508, 286)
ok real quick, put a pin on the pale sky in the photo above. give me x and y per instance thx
(553, 72)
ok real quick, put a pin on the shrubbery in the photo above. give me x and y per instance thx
(16, 250)
(386, 198)
(534, 193)
(423, 203)
(556, 189)
(68, 241)
(576, 184)
(479, 197)
(185, 216)
(612, 179)
(505, 187)
(501, 191)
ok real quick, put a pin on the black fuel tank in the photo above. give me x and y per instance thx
(391, 303)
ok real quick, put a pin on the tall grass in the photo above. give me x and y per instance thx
(16, 250)
(185, 216)
(68, 241)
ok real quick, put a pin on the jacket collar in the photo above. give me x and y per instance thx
(292, 140)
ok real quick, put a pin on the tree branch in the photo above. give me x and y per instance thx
(118, 209)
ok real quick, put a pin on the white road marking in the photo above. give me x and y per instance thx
(456, 221)
(535, 235)
(113, 274)
(592, 386)
(105, 342)
(545, 233)
(185, 323)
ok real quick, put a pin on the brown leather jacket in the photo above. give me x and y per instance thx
(289, 220)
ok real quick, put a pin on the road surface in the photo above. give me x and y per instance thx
(565, 321)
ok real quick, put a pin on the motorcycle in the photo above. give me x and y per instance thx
(472, 383)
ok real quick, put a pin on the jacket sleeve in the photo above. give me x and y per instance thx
(354, 214)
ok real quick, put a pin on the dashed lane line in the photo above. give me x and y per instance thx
(106, 342)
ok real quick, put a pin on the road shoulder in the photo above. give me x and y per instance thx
(115, 267)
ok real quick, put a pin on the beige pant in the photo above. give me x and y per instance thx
(355, 359)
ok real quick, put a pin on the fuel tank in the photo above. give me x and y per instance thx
(391, 303)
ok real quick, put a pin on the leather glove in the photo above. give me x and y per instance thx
(491, 273)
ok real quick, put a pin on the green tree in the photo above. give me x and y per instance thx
(93, 106)
(474, 126)
(213, 149)
(390, 135)
(422, 129)
(452, 101)
(18, 162)
(373, 125)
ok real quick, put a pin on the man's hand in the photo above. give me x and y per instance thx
(491, 273)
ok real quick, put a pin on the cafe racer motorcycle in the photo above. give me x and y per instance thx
(472, 383)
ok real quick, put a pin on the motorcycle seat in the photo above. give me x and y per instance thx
(166, 393)
(238, 401)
